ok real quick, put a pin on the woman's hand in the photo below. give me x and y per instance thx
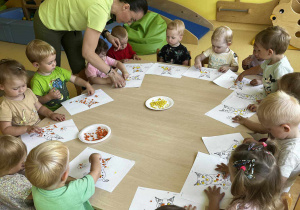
(117, 79)
(113, 40)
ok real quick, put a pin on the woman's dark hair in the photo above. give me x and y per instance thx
(102, 46)
(137, 5)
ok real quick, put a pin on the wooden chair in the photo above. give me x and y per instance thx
(30, 5)
(287, 200)
(157, 58)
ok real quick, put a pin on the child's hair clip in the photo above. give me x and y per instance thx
(264, 144)
(243, 168)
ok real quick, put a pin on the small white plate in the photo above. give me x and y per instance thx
(92, 130)
(168, 105)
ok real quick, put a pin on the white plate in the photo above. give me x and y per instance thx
(168, 105)
(92, 129)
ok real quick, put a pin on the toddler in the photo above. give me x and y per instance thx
(174, 52)
(15, 190)
(47, 168)
(19, 107)
(271, 44)
(49, 81)
(221, 57)
(94, 75)
(255, 177)
(125, 51)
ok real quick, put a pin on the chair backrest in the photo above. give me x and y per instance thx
(157, 58)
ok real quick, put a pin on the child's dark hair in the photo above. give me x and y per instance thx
(11, 69)
(170, 207)
(257, 177)
(101, 47)
(290, 83)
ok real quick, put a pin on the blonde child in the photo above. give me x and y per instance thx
(290, 84)
(271, 44)
(19, 107)
(221, 57)
(174, 52)
(94, 75)
(125, 51)
(15, 190)
(255, 177)
(47, 168)
(49, 81)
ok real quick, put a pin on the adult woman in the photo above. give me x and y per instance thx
(60, 22)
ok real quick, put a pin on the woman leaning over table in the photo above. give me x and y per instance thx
(60, 22)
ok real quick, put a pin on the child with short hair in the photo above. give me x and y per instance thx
(94, 75)
(49, 81)
(15, 190)
(47, 168)
(271, 44)
(125, 51)
(221, 57)
(19, 107)
(174, 52)
(255, 176)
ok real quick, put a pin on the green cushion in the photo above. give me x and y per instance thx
(147, 34)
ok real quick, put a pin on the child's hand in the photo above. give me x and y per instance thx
(198, 65)
(214, 195)
(54, 94)
(135, 57)
(190, 207)
(240, 77)
(95, 157)
(249, 140)
(239, 119)
(124, 60)
(125, 75)
(223, 69)
(224, 169)
(255, 82)
(57, 117)
(252, 107)
(34, 129)
(247, 61)
(90, 89)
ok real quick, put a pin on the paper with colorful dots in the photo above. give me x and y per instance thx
(84, 102)
(150, 199)
(113, 169)
(204, 175)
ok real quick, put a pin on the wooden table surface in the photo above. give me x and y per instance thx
(163, 144)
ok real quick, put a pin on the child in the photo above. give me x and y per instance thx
(19, 107)
(125, 51)
(271, 44)
(221, 57)
(174, 52)
(174, 207)
(47, 168)
(94, 75)
(15, 190)
(49, 81)
(255, 177)
(290, 84)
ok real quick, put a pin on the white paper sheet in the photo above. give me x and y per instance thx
(62, 131)
(133, 68)
(203, 175)
(167, 70)
(137, 73)
(204, 74)
(222, 146)
(150, 199)
(113, 170)
(224, 113)
(240, 98)
(84, 102)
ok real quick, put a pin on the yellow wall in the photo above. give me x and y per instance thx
(207, 8)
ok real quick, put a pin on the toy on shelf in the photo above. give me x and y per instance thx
(29, 6)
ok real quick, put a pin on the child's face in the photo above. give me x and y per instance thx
(123, 43)
(219, 46)
(19, 167)
(276, 131)
(255, 53)
(173, 37)
(14, 88)
(47, 65)
(262, 53)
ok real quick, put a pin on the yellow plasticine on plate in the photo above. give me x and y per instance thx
(159, 104)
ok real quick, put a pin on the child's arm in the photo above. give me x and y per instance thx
(246, 62)
(95, 160)
(198, 60)
(135, 57)
(186, 62)
(80, 82)
(122, 68)
(214, 196)
(44, 111)
(53, 94)
(8, 129)
(256, 127)
(224, 69)
(99, 80)
(253, 71)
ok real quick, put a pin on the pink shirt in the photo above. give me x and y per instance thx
(92, 71)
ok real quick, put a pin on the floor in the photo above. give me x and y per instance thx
(243, 35)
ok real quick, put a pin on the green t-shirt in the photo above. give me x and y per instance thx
(70, 15)
(41, 85)
(74, 196)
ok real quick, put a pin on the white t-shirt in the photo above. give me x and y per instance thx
(272, 73)
(289, 160)
(218, 60)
